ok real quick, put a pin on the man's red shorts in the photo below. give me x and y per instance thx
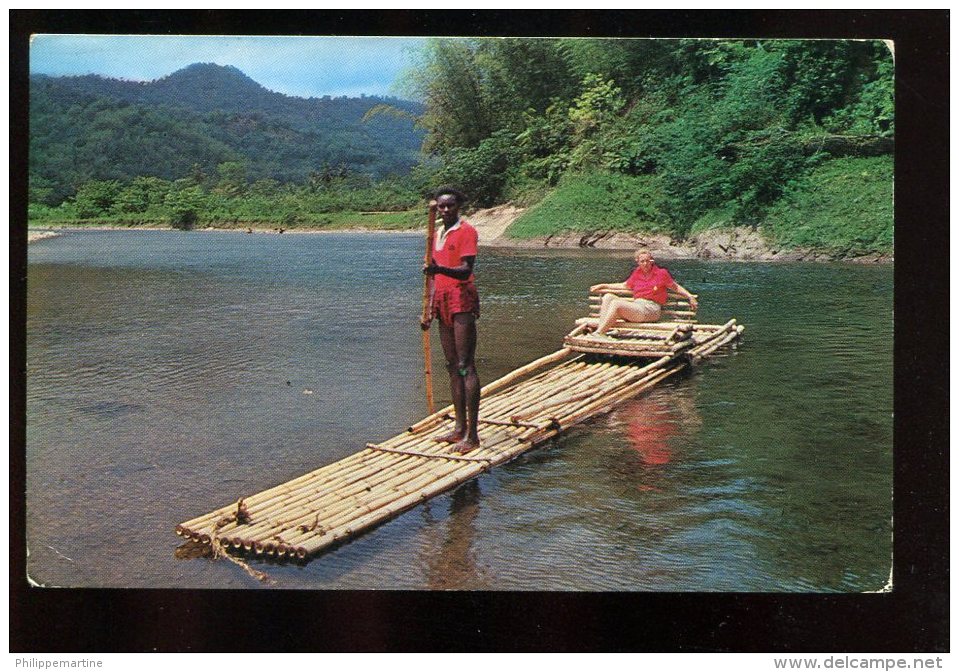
(460, 298)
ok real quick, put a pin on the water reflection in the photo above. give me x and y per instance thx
(652, 421)
(449, 558)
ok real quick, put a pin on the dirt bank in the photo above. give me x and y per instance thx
(33, 236)
(733, 244)
(492, 222)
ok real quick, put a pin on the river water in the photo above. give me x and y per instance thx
(169, 373)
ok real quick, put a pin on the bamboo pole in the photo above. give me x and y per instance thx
(602, 405)
(574, 386)
(609, 391)
(282, 489)
(509, 395)
(346, 508)
(506, 423)
(621, 343)
(613, 350)
(558, 402)
(310, 513)
(307, 494)
(511, 377)
(718, 334)
(427, 317)
(311, 546)
(640, 375)
(503, 404)
(346, 500)
(667, 325)
(632, 374)
(345, 516)
(348, 480)
(351, 468)
(226, 510)
(568, 375)
(599, 385)
(430, 455)
(702, 353)
(595, 374)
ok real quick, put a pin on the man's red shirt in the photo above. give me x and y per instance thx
(458, 241)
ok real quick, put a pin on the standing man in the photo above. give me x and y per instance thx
(456, 305)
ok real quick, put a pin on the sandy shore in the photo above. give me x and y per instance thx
(33, 236)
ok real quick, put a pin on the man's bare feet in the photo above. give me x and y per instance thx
(451, 437)
(466, 445)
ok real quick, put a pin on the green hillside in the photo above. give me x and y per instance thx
(844, 206)
(816, 212)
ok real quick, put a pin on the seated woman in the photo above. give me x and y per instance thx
(648, 283)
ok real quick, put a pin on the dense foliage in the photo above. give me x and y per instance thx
(92, 128)
(720, 124)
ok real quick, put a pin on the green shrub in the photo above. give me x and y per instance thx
(844, 206)
(96, 198)
(185, 206)
(596, 202)
(480, 172)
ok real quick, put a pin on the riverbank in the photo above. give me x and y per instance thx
(727, 243)
(841, 209)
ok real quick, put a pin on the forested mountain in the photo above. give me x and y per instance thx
(93, 128)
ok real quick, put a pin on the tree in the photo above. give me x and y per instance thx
(142, 194)
(96, 198)
(231, 178)
(185, 205)
(450, 82)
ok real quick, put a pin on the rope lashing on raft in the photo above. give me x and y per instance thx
(218, 547)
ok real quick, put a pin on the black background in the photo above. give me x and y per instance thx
(913, 617)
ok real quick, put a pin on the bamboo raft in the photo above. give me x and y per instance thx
(587, 377)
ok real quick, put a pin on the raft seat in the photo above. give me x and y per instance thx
(667, 337)
(677, 308)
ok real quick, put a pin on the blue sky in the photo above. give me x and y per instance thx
(296, 66)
